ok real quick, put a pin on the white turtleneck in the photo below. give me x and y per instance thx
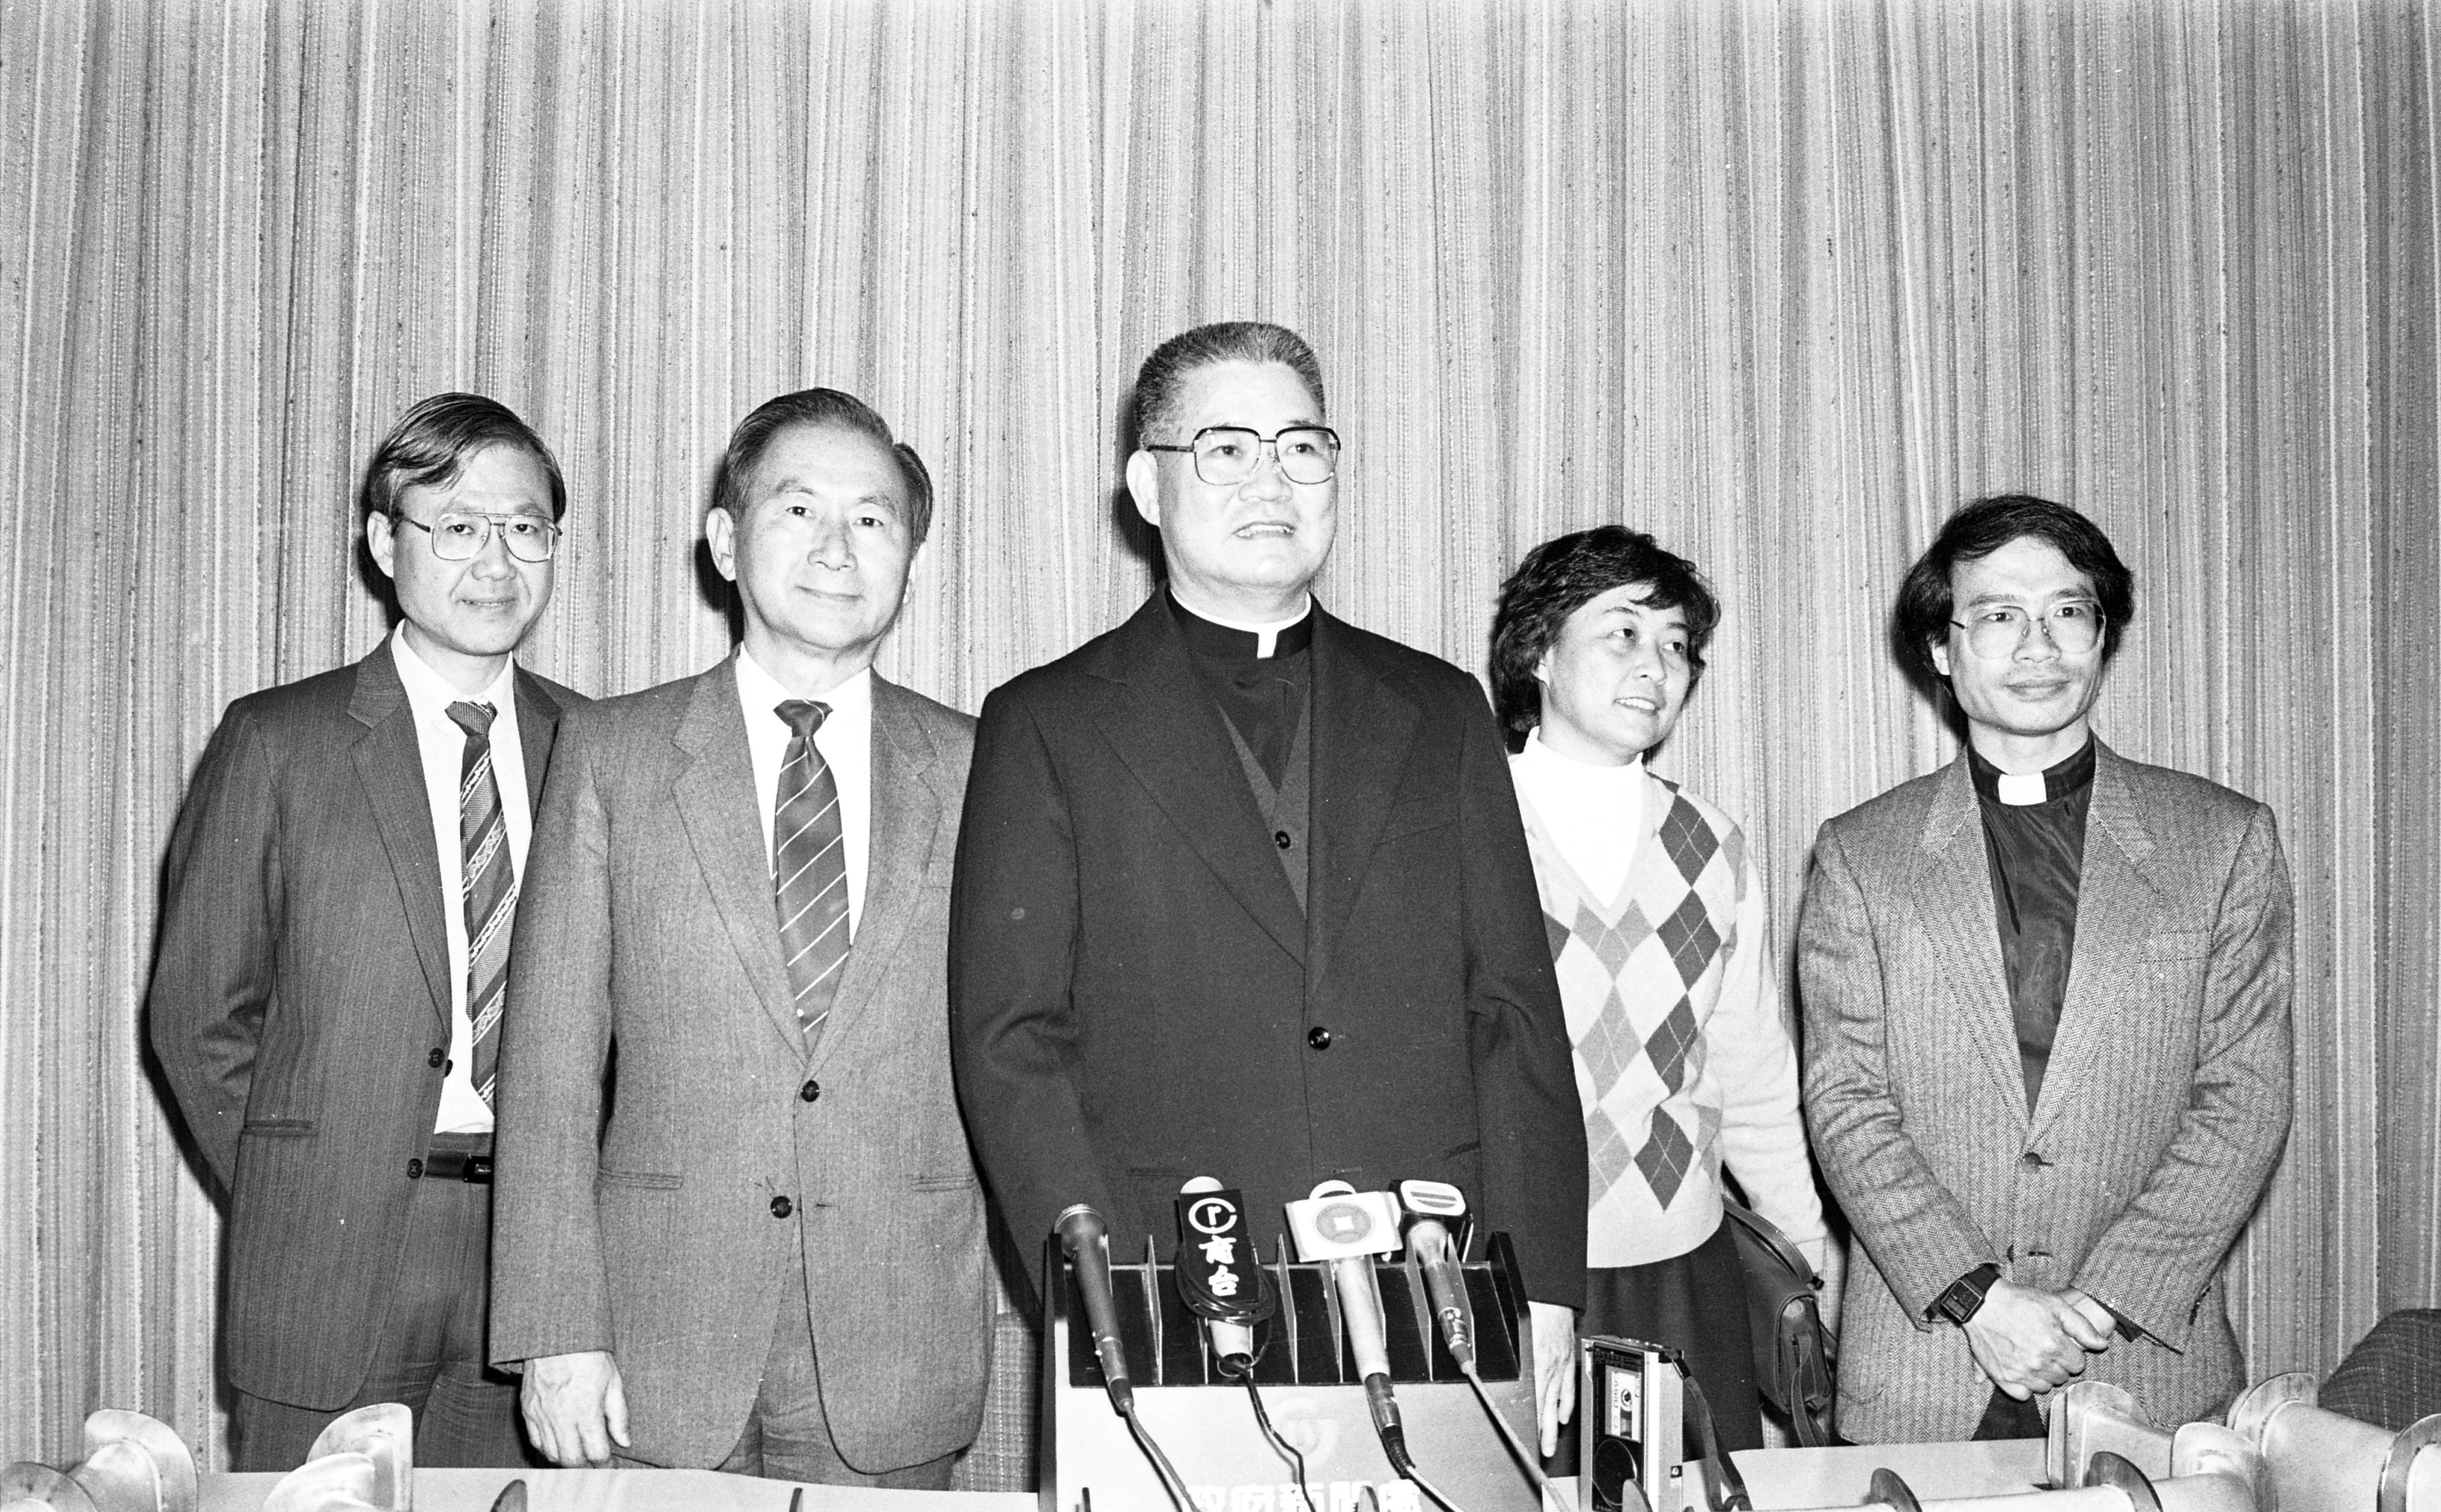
(1595, 815)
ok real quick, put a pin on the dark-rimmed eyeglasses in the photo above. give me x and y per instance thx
(1999, 629)
(460, 535)
(1226, 456)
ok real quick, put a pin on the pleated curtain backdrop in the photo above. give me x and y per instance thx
(1782, 282)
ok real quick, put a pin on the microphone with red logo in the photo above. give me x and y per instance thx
(1219, 1276)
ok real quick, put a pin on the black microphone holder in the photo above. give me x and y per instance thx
(1309, 1376)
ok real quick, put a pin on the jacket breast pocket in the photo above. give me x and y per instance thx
(279, 1129)
(638, 1181)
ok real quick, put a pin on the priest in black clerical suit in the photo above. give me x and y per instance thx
(1241, 889)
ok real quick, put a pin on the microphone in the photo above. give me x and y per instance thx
(1086, 1240)
(1346, 1228)
(1432, 1207)
(1219, 1276)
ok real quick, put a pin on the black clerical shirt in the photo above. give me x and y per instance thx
(1264, 697)
(2037, 851)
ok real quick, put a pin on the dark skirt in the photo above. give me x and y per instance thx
(1696, 1304)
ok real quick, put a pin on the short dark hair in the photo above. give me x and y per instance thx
(430, 445)
(1976, 530)
(818, 407)
(1165, 373)
(1563, 575)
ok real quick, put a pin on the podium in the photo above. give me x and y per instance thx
(1206, 1423)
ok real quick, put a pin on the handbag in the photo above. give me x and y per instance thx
(1795, 1354)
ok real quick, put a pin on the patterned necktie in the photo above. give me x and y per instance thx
(810, 868)
(489, 881)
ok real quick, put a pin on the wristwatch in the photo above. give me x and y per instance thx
(1965, 1294)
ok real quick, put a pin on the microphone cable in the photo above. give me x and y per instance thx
(1244, 1371)
(1526, 1455)
(1168, 1473)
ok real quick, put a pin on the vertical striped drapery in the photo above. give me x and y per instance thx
(1782, 282)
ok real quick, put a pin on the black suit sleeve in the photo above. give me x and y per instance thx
(214, 968)
(1535, 1159)
(1013, 920)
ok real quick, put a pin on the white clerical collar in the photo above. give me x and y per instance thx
(1266, 633)
(2021, 789)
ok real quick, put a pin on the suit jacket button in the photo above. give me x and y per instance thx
(435, 1058)
(781, 1206)
(1318, 1038)
(1280, 839)
(811, 1091)
(2031, 1161)
(415, 1170)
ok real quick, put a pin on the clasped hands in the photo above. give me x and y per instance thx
(2033, 1339)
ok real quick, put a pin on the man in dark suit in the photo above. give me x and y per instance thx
(772, 1259)
(334, 936)
(1242, 889)
(2047, 996)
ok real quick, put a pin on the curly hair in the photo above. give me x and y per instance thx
(1563, 575)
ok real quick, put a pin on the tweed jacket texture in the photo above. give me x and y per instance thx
(299, 1005)
(648, 929)
(2160, 1117)
(1137, 998)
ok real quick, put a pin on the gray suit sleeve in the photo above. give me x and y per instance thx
(2145, 1266)
(549, 1294)
(213, 971)
(1919, 1234)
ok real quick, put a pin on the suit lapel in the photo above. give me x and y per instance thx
(716, 799)
(1165, 729)
(537, 728)
(2116, 910)
(1364, 731)
(906, 821)
(1953, 903)
(389, 763)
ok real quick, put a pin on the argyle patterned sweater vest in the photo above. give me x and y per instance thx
(1666, 1000)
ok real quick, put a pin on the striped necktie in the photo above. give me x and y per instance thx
(489, 887)
(810, 868)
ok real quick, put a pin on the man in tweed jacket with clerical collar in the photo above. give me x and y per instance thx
(2047, 994)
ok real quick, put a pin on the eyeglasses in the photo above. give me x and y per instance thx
(1226, 456)
(1999, 629)
(460, 535)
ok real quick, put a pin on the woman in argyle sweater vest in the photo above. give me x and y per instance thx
(1657, 931)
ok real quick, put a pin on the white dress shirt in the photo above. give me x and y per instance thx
(1587, 809)
(442, 744)
(845, 742)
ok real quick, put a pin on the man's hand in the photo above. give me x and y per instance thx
(574, 1406)
(2029, 1340)
(2094, 1313)
(1555, 1368)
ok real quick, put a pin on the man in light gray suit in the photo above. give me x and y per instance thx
(2047, 996)
(772, 1259)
